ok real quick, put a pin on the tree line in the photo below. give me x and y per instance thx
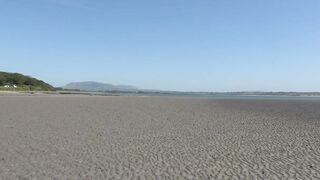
(23, 82)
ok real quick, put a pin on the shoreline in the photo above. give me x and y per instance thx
(103, 94)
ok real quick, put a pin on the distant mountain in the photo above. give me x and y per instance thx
(16, 81)
(97, 86)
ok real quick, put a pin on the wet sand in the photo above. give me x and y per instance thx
(83, 137)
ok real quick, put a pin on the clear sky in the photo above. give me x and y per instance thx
(193, 45)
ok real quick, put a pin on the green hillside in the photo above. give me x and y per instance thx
(20, 82)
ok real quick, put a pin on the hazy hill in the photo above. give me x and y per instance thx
(97, 86)
(22, 82)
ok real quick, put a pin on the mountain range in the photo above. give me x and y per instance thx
(98, 86)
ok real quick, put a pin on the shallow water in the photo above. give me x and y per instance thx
(219, 96)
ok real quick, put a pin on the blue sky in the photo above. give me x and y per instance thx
(192, 45)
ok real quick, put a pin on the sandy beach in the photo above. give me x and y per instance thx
(93, 137)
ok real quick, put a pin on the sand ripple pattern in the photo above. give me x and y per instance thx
(158, 138)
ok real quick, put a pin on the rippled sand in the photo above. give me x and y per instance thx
(65, 137)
